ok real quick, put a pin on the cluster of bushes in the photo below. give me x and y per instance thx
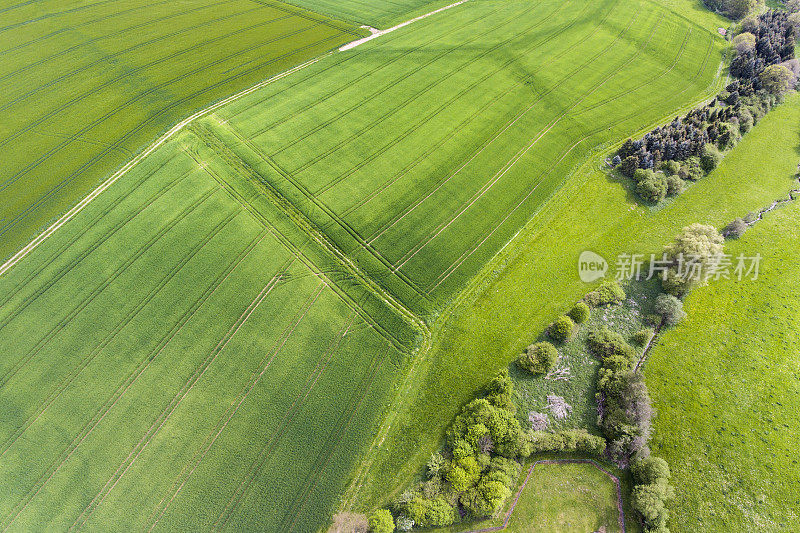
(541, 357)
(734, 9)
(623, 405)
(609, 292)
(651, 492)
(473, 477)
(570, 440)
(689, 147)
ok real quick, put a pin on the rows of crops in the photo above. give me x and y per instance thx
(83, 86)
(213, 341)
(379, 14)
(429, 148)
(169, 362)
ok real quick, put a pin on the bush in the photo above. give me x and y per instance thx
(641, 174)
(693, 169)
(675, 185)
(670, 308)
(710, 158)
(436, 512)
(381, 521)
(670, 168)
(561, 329)
(649, 471)
(642, 337)
(698, 244)
(572, 440)
(608, 292)
(404, 523)
(609, 346)
(580, 313)
(653, 188)
(735, 229)
(776, 78)
(629, 165)
(538, 358)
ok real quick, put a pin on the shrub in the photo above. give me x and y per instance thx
(381, 521)
(500, 390)
(642, 337)
(776, 78)
(608, 344)
(571, 440)
(435, 465)
(735, 229)
(693, 169)
(608, 292)
(698, 244)
(404, 523)
(670, 308)
(463, 473)
(653, 188)
(670, 168)
(580, 312)
(538, 358)
(641, 174)
(675, 185)
(436, 512)
(561, 329)
(629, 165)
(650, 470)
(710, 158)
(744, 42)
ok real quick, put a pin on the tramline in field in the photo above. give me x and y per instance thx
(214, 340)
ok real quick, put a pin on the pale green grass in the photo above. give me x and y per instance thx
(84, 85)
(537, 279)
(726, 382)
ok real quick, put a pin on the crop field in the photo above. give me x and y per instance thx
(213, 342)
(423, 152)
(376, 13)
(726, 382)
(172, 361)
(85, 85)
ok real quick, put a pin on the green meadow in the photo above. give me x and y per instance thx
(726, 382)
(84, 86)
(375, 13)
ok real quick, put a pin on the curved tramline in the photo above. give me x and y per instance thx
(214, 336)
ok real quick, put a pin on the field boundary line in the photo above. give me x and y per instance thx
(90, 297)
(615, 479)
(426, 119)
(455, 131)
(418, 201)
(16, 258)
(381, 33)
(93, 245)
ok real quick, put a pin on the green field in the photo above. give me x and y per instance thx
(375, 13)
(84, 86)
(726, 382)
(182, 365)
(422, 153)
(216, 340)
(568, 498)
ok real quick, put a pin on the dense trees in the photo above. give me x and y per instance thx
(689, 147)
(734, 9)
